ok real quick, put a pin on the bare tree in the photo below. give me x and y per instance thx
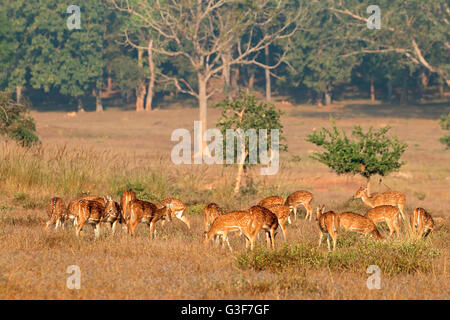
(204, 32)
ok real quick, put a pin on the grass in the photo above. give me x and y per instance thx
(103, 154)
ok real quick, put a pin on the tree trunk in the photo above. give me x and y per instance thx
(389, 90)
(372, 90)
(151, 83)
(368, 187)
(441, 88)
(98, 99)
(226, 73)
(237, 185)
(80, 105)
(235, 79)
(404, 96)
(140, 90)
(327, 98)
(19, 94)
(109, 84)
(203, 105)
(251, 79)
(267, 73)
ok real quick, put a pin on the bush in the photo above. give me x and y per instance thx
(15, 121)
(392, 257)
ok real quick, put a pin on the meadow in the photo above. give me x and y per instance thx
(104, 153)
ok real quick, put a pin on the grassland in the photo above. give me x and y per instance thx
(105, 153)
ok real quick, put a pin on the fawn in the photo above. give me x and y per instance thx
(387, 213)
(300, 197)
(422, 224)
(125, 199)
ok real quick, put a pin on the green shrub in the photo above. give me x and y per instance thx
(15, 121)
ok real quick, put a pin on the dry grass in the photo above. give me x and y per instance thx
(105, 153)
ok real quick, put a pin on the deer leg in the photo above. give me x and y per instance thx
(320, 238)
(282, 230)
(328, 242)
(152, 230)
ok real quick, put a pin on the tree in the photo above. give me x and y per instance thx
(445, 125)
(199, 32)
(246, 113)
(15, 121)
(415, 29)
(367, 154)
(314, 60)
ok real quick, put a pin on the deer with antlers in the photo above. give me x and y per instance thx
(393, 198)
(422, 224)
(300, 197)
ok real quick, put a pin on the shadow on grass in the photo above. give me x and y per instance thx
(426, 110)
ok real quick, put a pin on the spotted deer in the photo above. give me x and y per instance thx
(146, 212)
(272, 200)
(393, 198)
(56, 211)
(300, 197)
(283, 214)
(350, 221)
(125, 199)
(231, 222)
(422, 224)
(177, 208)
(91, 212)
(329, 223)
(113, 213)
(266, 220)
(210, 213)
(387, 213)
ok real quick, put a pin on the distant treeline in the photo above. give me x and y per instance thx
(313, 51)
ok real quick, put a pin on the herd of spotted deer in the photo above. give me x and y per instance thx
(267, 215)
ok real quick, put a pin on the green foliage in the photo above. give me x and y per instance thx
(445, 125)
(392, 257)
(376, 151)
(246, 113)
(15, 121)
